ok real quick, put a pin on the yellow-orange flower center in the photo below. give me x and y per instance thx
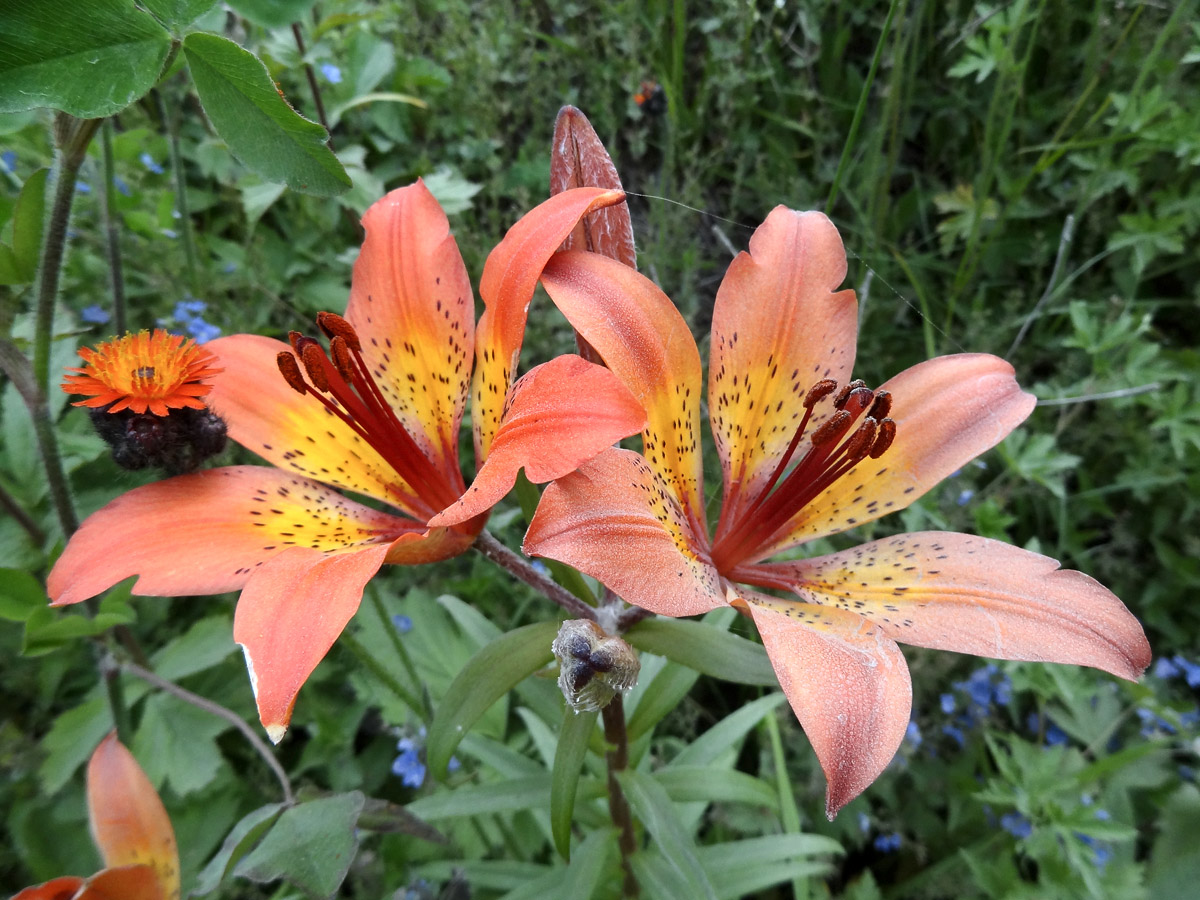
(143, 372)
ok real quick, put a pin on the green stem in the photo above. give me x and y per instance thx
(390, 681)
(312, 83)
(398, 645)
(789, 813)
(181, 202)
(616, 757)
(111, 233)
(864, 95)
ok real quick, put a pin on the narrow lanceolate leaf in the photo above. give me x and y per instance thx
(653, 808)
(705, 648)
(18, 263)
(568, 761)
(487, 676)
(94, 62)
(261, 129)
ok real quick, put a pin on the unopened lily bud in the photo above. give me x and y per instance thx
(593, 666)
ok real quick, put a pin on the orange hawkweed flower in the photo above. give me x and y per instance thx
(131, 830)
(806, 452)
(377, 415)
(144, 372)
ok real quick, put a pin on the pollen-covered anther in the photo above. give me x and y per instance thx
(335, 326)
(314, 364)
(858, 401)
(343, 361)
(840, 400)
(819, 392)
(294, 338)
(833, 429)
(882, 406)
(884, 438)
(862, 441)
(290, 370)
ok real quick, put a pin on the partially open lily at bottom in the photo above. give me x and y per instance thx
(806, 452)
(377, 414)
(131, 829)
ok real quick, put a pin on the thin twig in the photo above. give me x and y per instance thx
(498, 553)
(1064, 243)
(1105, 395)
(22, 518)
(312, 83)
(228, 715)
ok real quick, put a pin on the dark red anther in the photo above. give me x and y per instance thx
(343, 361)
(832, 429)
(861, 441)
(840, 400)
(858, 401)
(882, 406)
(335, 326)
(314, 364)
(290, 370)
(819, 392)
(883, 440)
(295, 337)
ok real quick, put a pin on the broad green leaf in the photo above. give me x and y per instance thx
(488, 675)
(273, 13)
(258, 196)
(261, 129)
(568, 762)
(495, 797)
(48, 629)
(661, 696)
(453, 192)
(18, 263)
(688, 784)
(94, 62)
(241, 840)
(20, 595)
(175, 742)
(71, 740)
(741, 868)
(201, 647)
(310, 846)
(1174, 867)
(706, 748)
(705, 648)
(178, 14)
(653, 808)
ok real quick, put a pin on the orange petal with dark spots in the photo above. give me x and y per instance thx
(641, 336)
(65, 888)
(779, 326)
(947, 411)
(206, 533)
(125, 883)
(509, 278)
(294, 431)
(129, 824)
(560, 414)
(617, 521)
(848, 684)
(290, 613)
(412, 306)
(973, 595)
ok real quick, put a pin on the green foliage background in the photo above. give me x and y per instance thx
(1017, 178)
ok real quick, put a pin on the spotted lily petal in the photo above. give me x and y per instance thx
(290, 613)
(294, 431)
(64, 888)
(779, 326)
(206, 533)
(848, 684)
(947, 411)
(615, 519)
(124, 883)
(973, 595)
(509, 278)
(560, 414)
(642, 337)
(412, 306)
(129, 824)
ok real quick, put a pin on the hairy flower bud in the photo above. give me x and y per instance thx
(593, 666)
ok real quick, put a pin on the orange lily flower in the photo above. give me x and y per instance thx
(805, 452)
(379, 416)
(131, 830)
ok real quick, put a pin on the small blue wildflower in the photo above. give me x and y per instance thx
(1101, 854)
(202, 332)
(888, 843)
(1016, 825)
(148, 161)
(454, 765)
(189, 307)
(912, 735)
(1191, 670)
(408, 765)
(94, 314)
(120, 185)
(948, 703)
(402, 623)
(332, 73)
(541, 568)
(83, 187)
(1190, 718)
(169, 232)
(8, 161)
(964, 497)
(864, 822)
(955, 732)
(1165, 668)
(1152, 723)
(1103, 815)
(1055, 736)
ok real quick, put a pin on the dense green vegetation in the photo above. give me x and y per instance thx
(1018, 179)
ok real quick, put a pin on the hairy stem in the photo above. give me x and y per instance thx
(259, 745)
(617, 759)
(312, 83)
(10, 505)
(112, 234)
(521, 568)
